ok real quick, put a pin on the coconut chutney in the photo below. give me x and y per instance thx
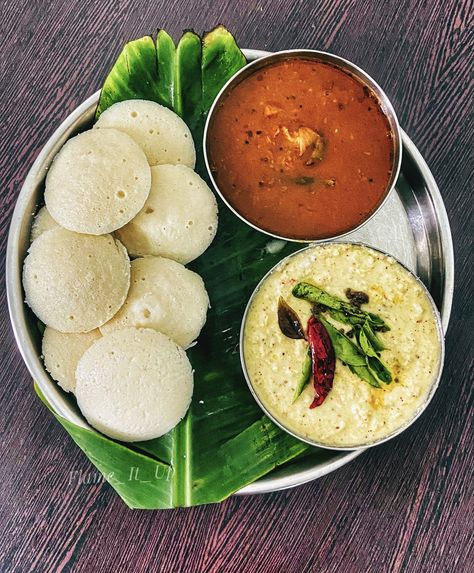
(354, 413)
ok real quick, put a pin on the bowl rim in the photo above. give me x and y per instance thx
(346, 65)
(432, 388)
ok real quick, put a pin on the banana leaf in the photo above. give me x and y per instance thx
(140, 480)
(220, 61)
(224, 442)
(189, 82)
(134, 76)
(166, 57)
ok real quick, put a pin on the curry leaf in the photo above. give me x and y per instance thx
(365, 344)
(349, 353)
(372, 337)
(365, 374)
(316, 295)
(378, 369)
(345, 318)
(345, 349)
(304, 376)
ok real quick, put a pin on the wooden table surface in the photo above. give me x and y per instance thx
(404, 506)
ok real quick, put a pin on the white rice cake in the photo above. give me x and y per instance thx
(61, 353)
(134, 384)
(41, 223)
(75, 282)
(178, 220)
(166, 296)
(161, 133)
(98, 182)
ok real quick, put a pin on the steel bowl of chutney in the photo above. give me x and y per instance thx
(303, 145)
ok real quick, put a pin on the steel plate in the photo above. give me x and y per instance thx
(412, 226)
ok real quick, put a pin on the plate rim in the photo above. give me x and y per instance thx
(265, 484)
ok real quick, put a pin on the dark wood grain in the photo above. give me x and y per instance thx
(406, 506)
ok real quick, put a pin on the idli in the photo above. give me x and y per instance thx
(134, 384)
(166, 296)
(41, 223)
(61, 353)
(98, 182)
(75, 282)
(178, 220)
(163, 135)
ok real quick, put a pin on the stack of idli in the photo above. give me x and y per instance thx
(179, 217)
(116, 330)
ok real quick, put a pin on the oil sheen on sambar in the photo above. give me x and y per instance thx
(301, 149)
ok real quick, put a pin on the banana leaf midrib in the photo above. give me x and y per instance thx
(182, 464)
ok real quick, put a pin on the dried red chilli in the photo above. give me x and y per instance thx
(323, 359)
